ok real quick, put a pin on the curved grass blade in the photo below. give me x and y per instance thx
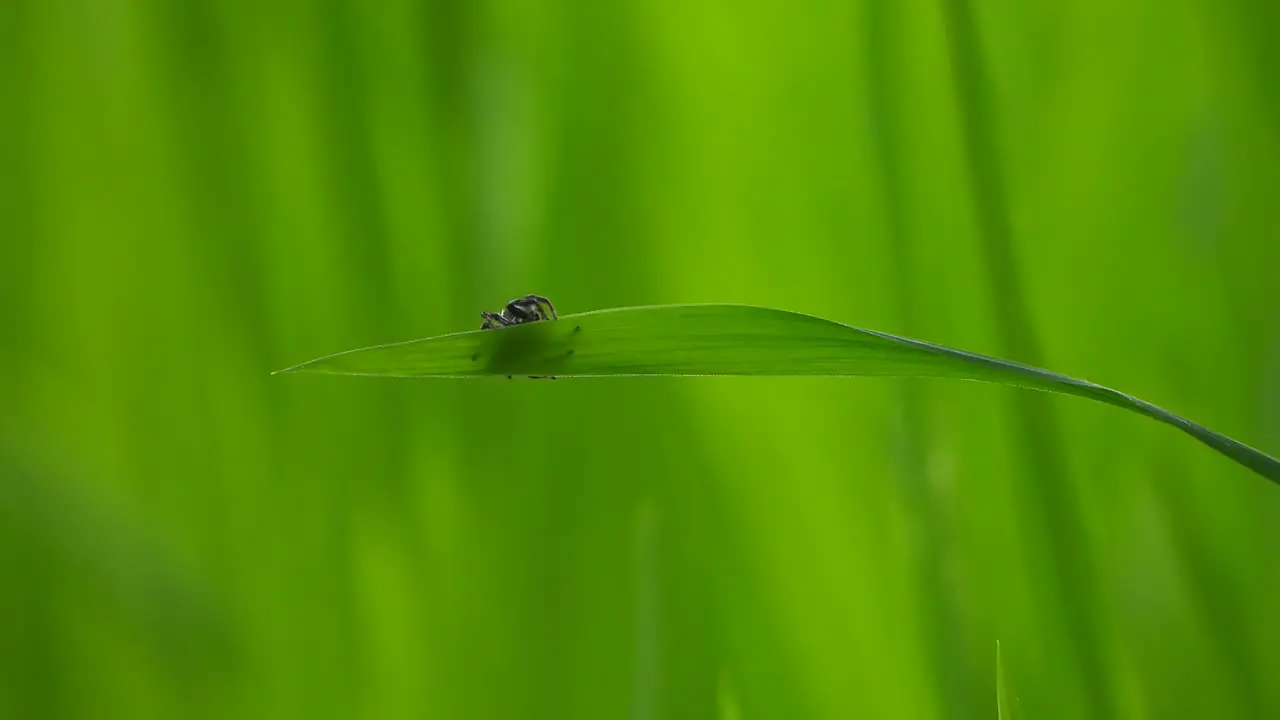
(726, 340)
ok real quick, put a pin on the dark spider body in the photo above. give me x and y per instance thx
(530, 308)
(527, 309)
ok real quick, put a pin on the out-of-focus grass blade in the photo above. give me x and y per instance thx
(726, 340)
(1004, 708)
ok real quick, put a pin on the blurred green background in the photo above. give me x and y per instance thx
(193, 194)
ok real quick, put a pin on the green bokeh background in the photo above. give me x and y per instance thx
(193, 194)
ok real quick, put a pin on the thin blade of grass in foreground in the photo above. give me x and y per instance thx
(726, 340)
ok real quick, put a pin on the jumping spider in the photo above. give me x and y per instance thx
(530, 308)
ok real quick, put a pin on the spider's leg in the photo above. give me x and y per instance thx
(545, 309)
(493, 320)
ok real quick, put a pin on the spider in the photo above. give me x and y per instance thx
(530, 308)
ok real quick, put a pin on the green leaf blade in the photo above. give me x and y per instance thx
(1004, 707)
(718, 339)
